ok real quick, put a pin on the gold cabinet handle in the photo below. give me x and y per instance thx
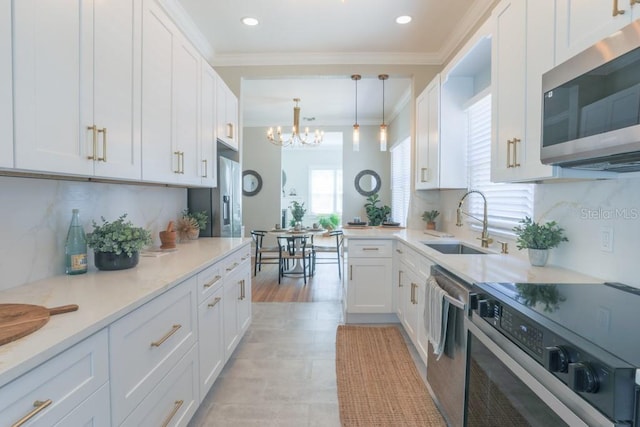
(351, 272)
(176, 407)
(235, 264)
(216, 300)
(400, 285)
(206, 168)
(509, 142)
(94, 129)
(241, 283)
(211, 282)
(616, 10)
(182, 162)
(515, 152)
(370, 249)
(399, 251)
(632, 2)
(424, 174)
(39, 405)
(103, 131)
(173, 330)
(230, 130)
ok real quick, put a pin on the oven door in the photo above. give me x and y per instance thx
(505, 386)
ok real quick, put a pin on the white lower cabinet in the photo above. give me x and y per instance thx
(237, 306)
(174, 400)
(369, 280)
(92, 412)
(211, 339)
(147, 343)
(59, 386)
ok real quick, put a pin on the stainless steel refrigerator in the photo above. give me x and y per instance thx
(222, 204)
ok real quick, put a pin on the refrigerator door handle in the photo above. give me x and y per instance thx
(226, 210)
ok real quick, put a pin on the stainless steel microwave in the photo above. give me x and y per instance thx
(591, 106)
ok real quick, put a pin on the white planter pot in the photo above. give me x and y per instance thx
(538, 257)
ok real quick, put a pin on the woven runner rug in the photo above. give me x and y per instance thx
(378, 383)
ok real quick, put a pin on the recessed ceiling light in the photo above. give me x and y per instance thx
(404, 19)
(249, 21)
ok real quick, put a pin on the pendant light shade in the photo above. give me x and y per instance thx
(383, 126)
(356, 126)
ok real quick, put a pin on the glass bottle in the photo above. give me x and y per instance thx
(75, 248)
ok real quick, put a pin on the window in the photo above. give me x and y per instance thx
(400, 181)
(508, 203)
(326, 190)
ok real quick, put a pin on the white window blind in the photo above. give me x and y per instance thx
(507, 203)
(326, 190)
(400, 181)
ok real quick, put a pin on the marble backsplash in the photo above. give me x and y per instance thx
(36, 214)
(584, 209)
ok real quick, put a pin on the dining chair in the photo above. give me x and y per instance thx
(334, 251)
(264, 254)
(296, 249)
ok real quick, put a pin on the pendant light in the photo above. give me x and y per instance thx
(356, 126)
(383, 127)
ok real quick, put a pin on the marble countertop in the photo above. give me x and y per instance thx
(102, 297)
(491, 267)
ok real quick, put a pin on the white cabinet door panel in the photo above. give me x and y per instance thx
(369, 289)
(208, 146)
(49, 82)
(6, 96)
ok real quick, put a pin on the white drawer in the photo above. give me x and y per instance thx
(66, 379)
(234, 260)
(209, 280)
(94, 412)
(408, 256)
(147, 343)
(370, 248)
(174, 400)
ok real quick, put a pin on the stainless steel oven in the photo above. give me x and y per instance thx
(553, 354)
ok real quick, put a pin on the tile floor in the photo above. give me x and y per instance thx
(283, 371)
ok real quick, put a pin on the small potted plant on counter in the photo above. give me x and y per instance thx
(376, 214)
(116, 244)
(190, 224)
(430, 218)
(538, 239)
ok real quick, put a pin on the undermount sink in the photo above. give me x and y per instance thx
(455, 248)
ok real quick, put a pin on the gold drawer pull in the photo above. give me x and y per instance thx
(94, 129)
(39, 405)
(370, 249)
(617, 11)
(104, 145)
(166, 336)
(214, 280)
(206, 168)
(177, 153)
(216, 300)
(230, 130)
(176, 407)
(235, 264)
(242, 294)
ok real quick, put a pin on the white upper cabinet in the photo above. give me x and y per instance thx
(74, 93)
(6, 107)
(208, 146)
(170, 102)
(517, 63)
(226, 115)
(582, 23)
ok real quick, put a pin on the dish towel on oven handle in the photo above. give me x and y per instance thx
(436, 315)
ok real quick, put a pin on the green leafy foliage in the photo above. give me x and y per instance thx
(199, 217)
(430, 216)
(532, 235)
(329, 222)
(118, 237)
(376, 214)
(297, 212)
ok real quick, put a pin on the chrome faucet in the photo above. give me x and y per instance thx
(485, 239)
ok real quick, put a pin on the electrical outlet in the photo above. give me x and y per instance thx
(606, 239)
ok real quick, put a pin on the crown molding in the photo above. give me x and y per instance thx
(339, 58)
(181, 18)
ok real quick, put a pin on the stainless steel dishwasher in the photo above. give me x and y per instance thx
(446, 377)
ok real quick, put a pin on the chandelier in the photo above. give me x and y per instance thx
(295, 139)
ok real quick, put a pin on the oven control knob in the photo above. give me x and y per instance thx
(485, 308)
(582, 378)
(555, 359)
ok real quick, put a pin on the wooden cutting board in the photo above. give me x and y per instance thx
(19, 320)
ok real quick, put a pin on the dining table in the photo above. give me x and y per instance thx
(296, 237)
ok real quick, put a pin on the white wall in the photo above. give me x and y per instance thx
(36, 213)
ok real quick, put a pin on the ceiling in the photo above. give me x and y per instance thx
(304, 32)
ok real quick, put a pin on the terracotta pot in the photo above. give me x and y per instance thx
(111, 261)
(431, 226)
(168, 239)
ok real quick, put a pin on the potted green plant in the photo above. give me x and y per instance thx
(538, 239)
(376, 214)
(329, 222)
(430, 218)
(297, 212)
(116, 244)
(190, 224)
